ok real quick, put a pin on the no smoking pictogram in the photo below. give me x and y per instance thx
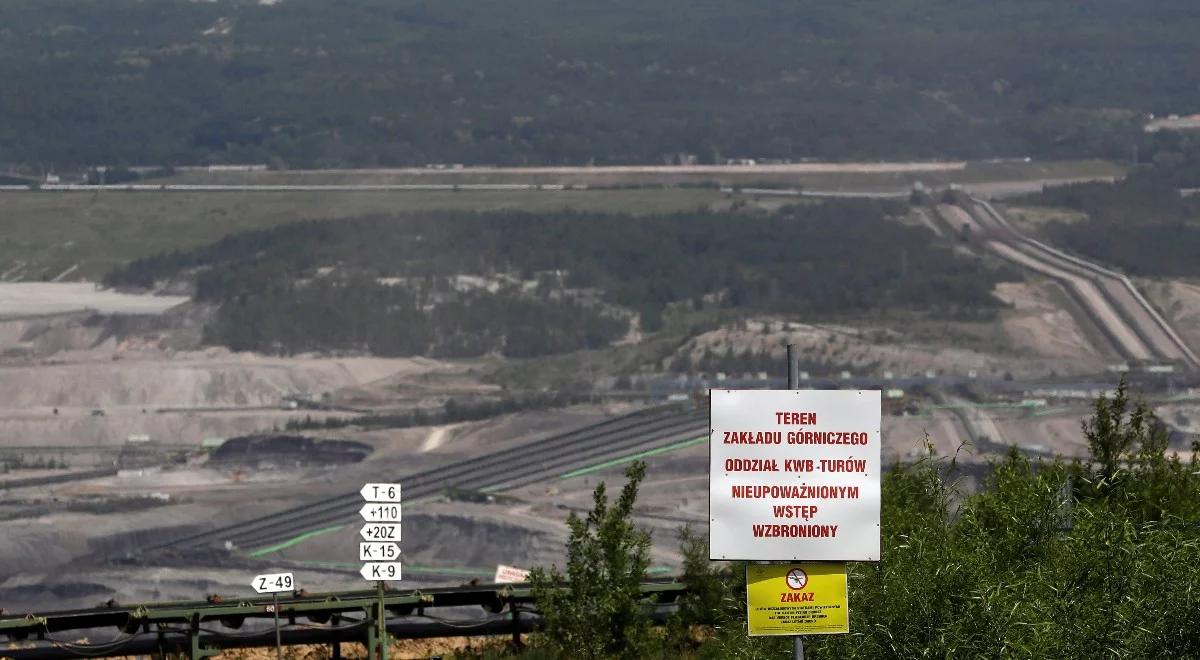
(797, 578)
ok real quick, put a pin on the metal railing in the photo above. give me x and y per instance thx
(200, 629)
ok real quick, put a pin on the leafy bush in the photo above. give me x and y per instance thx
(1088, 559)
(595, 610)
(1141, 224)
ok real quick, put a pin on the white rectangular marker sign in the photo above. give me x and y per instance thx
(273, 583)
(380, 532)
(380, 571)
(376, 512)
(380, 492)
(794, 475)
(378, 551)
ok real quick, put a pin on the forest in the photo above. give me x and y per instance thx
(1143, 224)
(312, 83)
(520, 284)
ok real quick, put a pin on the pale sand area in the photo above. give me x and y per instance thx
(39, 298)
(910, 349)
(813, 167)
(1179, 302)
(1039, 325)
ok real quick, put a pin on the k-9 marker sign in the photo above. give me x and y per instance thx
(794, 475)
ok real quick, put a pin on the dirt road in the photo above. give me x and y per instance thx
(40, 298)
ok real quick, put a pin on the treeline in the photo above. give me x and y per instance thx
(460, 284)
(1046, 559)
(452, 411)
(308, 83)
(1148, 250)
(737, 363)
(360, 314)
(1142, 224)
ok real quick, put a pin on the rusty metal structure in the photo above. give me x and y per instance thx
(204, 628)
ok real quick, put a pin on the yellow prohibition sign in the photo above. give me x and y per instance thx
(804, 598)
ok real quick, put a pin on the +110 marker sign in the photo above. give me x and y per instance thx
(380, 549)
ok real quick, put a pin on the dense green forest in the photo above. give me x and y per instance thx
(461, 284)
(1046, 559)
(364, 82)
(1142, 224)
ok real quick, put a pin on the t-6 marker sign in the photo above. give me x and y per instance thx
(794, 475)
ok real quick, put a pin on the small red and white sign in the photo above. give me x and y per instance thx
(510, 575)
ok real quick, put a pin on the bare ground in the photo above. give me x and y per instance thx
(177, 400)
(1038, 325)
(1029, 219)
(523, 527)
(36, 298)
(77, 373)
(1016, 345)
(1179, 303)
(83, 379)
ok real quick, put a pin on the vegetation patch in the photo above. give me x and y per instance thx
(1142, 224)
(48, 233)
(375, 82)
(1050, 559)
(523, 285)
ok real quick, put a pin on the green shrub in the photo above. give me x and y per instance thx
(1096, 558)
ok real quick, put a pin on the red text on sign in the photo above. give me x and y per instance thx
(806, 511)
(795, 531)
(801, 418)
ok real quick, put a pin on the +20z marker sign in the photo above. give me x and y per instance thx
(794, 475)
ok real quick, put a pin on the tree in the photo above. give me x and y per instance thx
(596, 609)
(712, 592)
(1117, 434)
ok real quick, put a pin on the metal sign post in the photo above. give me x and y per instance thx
(274, 583)
(383, 642)
(278, 644)
(794, 490)
(380, 551)
(793, 377)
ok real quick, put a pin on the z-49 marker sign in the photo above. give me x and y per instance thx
(381, 571)
(794, 475)
(380, 512)
(378, 551)
(273, 583)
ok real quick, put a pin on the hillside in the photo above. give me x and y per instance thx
(313, 83)
(461, 284)
(1142, 225)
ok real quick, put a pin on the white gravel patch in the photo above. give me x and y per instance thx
(36, 298)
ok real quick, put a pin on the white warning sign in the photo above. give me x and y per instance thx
(794, 475)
